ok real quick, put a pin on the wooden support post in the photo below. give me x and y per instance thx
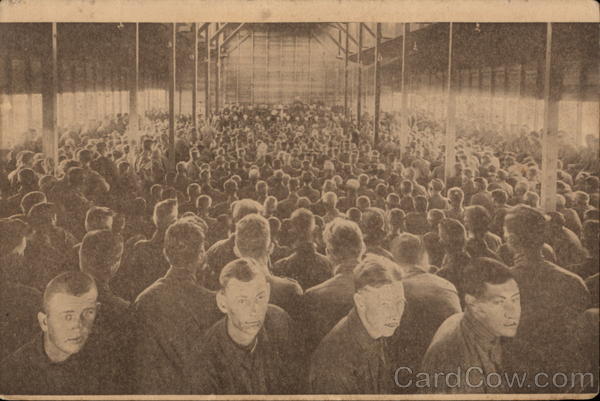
(237, 70)
(377, 85)
(134, 77)
(521, 94)
(268, 89)
(49, 105)
(550, 132)
(207, 110)
(346, 59)
(505, 102)
(29, 79)
(579, 112)
(218, 72)
(451, 115)
(359, 76)
(252, 69)
(309, 71)
(195, 80)
(404, 89)
(172, 81)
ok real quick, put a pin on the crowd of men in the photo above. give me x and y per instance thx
(284, 253)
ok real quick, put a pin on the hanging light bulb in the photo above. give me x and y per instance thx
(120, 25)
(477, 27)
(415, 47)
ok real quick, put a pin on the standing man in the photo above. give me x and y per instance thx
(353, 358)
(249, 350)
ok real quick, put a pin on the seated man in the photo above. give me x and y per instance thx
(468, 344)
(353, 357)
(249, 350)
(172, 314)
(57, 361)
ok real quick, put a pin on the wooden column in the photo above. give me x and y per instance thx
(377, 96)
(505, 102)
(134, 77)
(172, 81)
(49, 104)
(550, 132)
(195, 80)
(450, 115)
(267, 81)
(252, 69)
(359, 76)
(520, 99)
(580, 100)
(403, 88)
(218, 72)
(207, 111)
(346, 58)
(29, 79)
(309, 69)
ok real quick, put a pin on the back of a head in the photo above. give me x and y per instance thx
(343, 239)
(482, 271)
(330, 199)
(478, 218)
(456, 195)
(500, 196)
(302, 222)
(75, 176)
(98, 218)
(421, 204)
(354, 214)
(12, 234)
(75, 283)
(452, 234)
(252, 236)
(184, 244)
(244, 207)
(165, 213)
(27, 178)
(481, 183)
(100, 254)
(31, 199)
(242, 269)
(372, 224)
(194, 190)
(374, 271)
(527, 225)
(407, 249)
(437, 185)
(42, 214)
(406, 187)
(590, 235)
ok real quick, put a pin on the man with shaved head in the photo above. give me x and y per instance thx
(56, 361)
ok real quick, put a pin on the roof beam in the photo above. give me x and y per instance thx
(239, 43)
(232, 34)
(343, 28)
(368, 29)
(338, 44)
(219, 31)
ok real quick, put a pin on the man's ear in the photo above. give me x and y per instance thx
(470, 301)
(358, 301)
(221, 302)
(43, 321)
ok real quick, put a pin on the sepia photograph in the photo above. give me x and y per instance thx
(307, 200)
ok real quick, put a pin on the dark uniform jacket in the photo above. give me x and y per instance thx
(350, 361)
(467, 357)
(30, 371)
(305, 265)
(430, 300)
(325, 304)
(217, 256)
(171, 315)
(224, 367)
(552, 298)
(19, 306)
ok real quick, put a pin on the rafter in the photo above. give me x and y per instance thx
(232, 34)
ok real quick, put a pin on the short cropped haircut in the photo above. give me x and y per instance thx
(96, 218)
(31, 199)
(184, 243)
(243, 269)
(407, 248)
(252, 236)
(374, 271)
(165, 213)
(455, 194)
(244, 207)
(478, 217)
(344, 238)
(41, 214)
(527, 224)
(73, 283)
(500, 196)
(454, 232)
(99, 251)
(482, 271)
(302, 221)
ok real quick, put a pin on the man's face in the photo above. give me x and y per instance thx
(499, 308)
(382, 307)
(245, 304)
(68, 322)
